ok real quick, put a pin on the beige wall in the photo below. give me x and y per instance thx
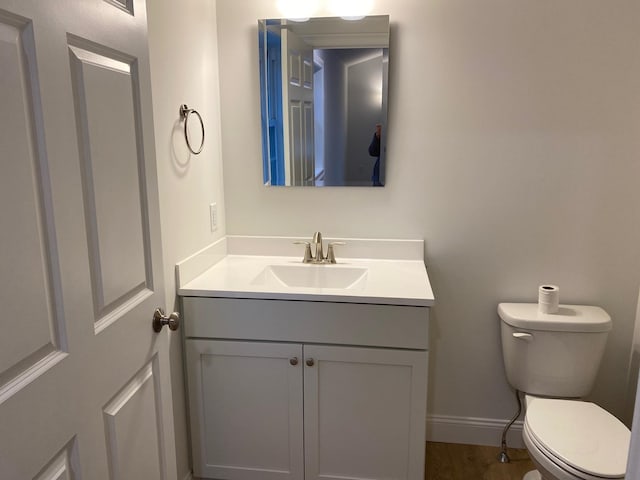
(184, 69)
(514, 143)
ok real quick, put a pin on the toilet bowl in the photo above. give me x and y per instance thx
(554, 359)
(574, 440)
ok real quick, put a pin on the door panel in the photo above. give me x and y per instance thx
(107, 115)
(125, 5)
(84, 381)
(35, 340)
(137, 404)
(64, 465)
(379, 394)
(309, 165)
(246, 409)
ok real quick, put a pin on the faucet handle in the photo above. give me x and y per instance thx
(331, 256)
(308, 257)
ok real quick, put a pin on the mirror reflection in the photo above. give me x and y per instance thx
(323, 91)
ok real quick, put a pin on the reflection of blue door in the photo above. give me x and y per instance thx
(271, 105)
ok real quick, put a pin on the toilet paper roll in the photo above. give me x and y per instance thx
(548, 298)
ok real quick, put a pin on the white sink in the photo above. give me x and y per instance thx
(313, 276)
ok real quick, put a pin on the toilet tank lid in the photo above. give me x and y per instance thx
(570, 318)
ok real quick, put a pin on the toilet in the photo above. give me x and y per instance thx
(553, 359)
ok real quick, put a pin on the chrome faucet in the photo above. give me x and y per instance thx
(317, 242)
(318, 256)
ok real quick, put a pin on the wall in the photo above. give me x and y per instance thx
(513, 147)
(184, 69)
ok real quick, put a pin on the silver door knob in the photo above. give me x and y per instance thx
(160, 320)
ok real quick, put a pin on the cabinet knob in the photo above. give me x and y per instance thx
(310, 362)
(293, 361)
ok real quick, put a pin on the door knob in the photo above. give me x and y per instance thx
(310, 362)
(293, 361)
(160, 320)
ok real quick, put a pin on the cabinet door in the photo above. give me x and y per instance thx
(364, 413)
(246, 409)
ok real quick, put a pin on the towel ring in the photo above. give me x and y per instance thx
(184, 114)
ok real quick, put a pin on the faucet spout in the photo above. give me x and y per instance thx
(317, 241)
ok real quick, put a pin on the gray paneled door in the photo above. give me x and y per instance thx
(84, 386)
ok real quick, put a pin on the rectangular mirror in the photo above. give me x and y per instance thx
(323, 92)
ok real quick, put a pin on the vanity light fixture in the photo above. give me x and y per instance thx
(351, 9)
(297, 10)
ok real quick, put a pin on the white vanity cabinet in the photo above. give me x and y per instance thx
(306, 390)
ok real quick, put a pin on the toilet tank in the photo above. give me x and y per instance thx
(555, 355)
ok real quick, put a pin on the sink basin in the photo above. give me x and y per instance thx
(312, 276)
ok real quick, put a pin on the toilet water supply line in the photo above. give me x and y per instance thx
(502, 456)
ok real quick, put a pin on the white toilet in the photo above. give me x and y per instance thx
(554, 359)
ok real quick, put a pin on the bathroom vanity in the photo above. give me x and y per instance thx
(304, 372)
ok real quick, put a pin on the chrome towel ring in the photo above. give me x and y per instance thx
(185, 111)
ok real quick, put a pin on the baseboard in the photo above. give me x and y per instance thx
(189, 476)
(472, 431)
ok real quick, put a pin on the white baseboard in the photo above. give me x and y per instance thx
(472, 431)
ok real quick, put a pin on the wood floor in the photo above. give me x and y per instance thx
(448, 461)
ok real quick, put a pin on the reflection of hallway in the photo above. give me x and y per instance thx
(364, 111)
(353, 84)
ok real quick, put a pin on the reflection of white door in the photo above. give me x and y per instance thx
(84, 387)
(298, 102)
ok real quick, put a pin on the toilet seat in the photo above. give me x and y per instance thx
(550, 466)
(579, 437)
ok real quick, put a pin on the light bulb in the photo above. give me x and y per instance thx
(351, 9)
(297, 10)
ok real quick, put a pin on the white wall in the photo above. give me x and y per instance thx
(184, 69)
(514, 151)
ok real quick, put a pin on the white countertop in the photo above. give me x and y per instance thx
(226, 270)
(388, 282)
